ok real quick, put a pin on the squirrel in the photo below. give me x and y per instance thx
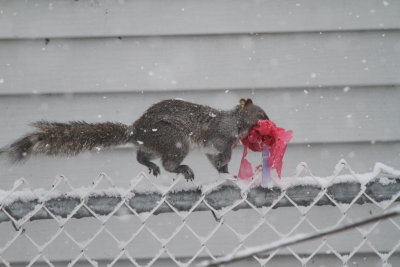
(167, 130)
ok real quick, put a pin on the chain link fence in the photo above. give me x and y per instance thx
(150, 223)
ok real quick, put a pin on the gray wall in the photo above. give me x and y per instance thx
(328, 70)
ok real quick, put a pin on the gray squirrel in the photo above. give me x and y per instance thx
(167, 130)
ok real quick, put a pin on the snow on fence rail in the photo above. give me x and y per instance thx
(145, 198)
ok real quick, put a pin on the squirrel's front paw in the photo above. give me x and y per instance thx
(189, 176)
(155, 170)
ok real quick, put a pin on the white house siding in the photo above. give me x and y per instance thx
(328, 70)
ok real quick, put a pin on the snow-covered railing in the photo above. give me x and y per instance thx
(40, 204)
(145, 198)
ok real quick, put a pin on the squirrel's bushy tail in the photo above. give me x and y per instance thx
(53, 138)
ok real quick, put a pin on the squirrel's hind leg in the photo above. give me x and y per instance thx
(185, 170)
(173, 158)
(144, 158)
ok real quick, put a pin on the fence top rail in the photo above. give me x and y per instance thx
(22, 203)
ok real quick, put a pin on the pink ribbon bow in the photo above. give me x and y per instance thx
(265, 133)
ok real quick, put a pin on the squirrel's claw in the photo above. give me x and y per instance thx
(155, 170)
(186, 171)
(189, 175)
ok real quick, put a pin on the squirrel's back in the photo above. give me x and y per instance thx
(186, 117)
(178, 110)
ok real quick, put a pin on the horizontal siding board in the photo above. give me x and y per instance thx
(204, 62)
(317, 115)
(121, 164)
(63, 18)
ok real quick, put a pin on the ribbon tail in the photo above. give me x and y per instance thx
(266, 171)
(246, 169)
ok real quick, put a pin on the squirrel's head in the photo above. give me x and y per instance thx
(251, 112)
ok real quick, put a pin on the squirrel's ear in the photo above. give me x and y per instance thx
(244, 102)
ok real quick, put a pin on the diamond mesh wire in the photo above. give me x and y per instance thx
(150, 224)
